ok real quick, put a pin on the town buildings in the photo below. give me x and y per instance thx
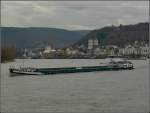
(92, 50)
(143, 51)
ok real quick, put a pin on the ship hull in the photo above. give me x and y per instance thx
(48, 71)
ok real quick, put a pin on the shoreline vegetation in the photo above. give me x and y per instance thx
(8, 54)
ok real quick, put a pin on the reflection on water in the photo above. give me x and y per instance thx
(116, 91)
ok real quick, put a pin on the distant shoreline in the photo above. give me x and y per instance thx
(76, 58)
(7, 61)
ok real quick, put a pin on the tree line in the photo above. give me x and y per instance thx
(8, 53)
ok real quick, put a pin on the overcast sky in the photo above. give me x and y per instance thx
(73, 15)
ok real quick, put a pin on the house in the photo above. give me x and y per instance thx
(145, 51)
(47, 50)
(93, 43)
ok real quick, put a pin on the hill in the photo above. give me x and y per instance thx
(118, 35)
(34, 37)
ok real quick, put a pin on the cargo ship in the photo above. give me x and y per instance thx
(112, 65)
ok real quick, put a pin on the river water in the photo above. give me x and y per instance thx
(113, 91)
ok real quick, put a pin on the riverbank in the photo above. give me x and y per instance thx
(7, 61)
(86, 58)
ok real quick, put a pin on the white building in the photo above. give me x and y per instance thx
(95, 42)
(130, 50)
(71, 51)
(25, 54)
(99, 51)
(47, 49)
(92, 43)
(112, 52)
(121, 51)
(145, 50)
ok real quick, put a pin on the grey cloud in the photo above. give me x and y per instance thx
(73, 14)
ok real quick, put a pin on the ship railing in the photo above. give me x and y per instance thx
(27, 69)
